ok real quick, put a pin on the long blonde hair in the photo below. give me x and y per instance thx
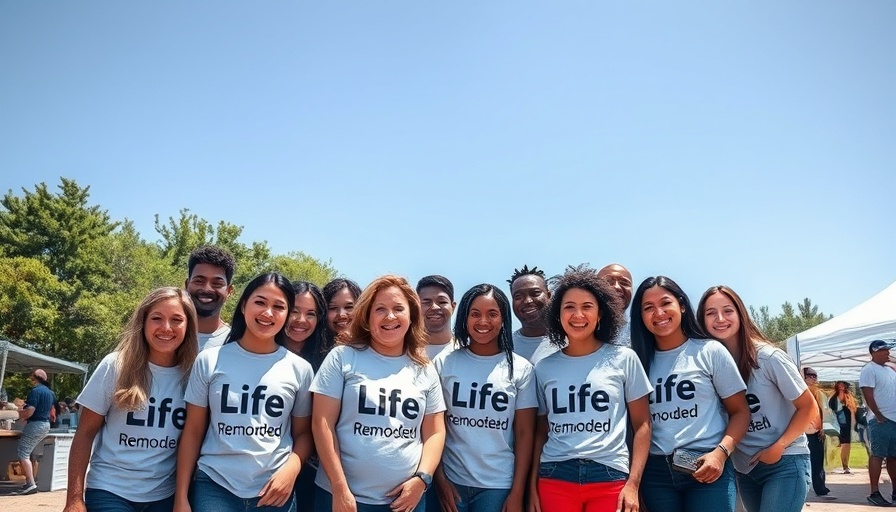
(134, 378)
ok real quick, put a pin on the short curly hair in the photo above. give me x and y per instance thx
(609, 305)
(212, 255)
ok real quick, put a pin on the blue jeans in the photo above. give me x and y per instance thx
(208, 496)
(98, 500)
(778, 487)
(323, 502)
(479, 499)
(305, 489)
(580, 471)
(664, 489)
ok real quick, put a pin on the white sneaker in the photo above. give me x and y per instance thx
(28, 489)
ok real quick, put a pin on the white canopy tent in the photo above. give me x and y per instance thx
(838, 348)
(14, 358)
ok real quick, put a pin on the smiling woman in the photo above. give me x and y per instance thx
(248, 430)
(378, 407)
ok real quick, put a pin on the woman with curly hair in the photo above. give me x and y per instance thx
(843, 404)
(588, 393)
(136, 394)
(772, 460)
(378, 409)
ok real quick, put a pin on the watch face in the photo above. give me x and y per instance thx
(427, 478)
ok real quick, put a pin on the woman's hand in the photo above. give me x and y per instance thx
(628, 498)
(514, 501)
(344, 502)
(181, 505)
(407, 494)
(534, 501)
(769, 455)
(710, 466)
(76, 505)
(448, 495)
(278, 490)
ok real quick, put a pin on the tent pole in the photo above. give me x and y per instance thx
(5, 346)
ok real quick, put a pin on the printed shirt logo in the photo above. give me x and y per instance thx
(758, 421)
(672, 390)
(161, 416)
(478, 399)
(387, 403)
(257, 404)
(577, 400)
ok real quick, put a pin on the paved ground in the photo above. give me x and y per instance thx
(850, 491)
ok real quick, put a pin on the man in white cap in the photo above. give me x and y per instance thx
(36, 412)
(878, 383)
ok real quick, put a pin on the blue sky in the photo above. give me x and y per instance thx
(751, 144)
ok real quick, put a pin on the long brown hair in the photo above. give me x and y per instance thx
(134, 378)
(358, 334)
(747, 334)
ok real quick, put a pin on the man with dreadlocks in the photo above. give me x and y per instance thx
(530, 296)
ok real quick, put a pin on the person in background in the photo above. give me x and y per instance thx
(620, 279)
(306, 336)
(378, 457)
(488, 446)
(530, 296)
(247, 432)
(694, 378)
(588, 393)
(340, 295)
(878, 384)
(815, 435)
(843, 404)
(37, 412)
(136, 394)
(209, 276)
(772, 459)
(437, 299)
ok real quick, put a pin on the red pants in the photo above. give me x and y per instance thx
(560, 496)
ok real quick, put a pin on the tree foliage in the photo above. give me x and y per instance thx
(789, 322)
(70, 275)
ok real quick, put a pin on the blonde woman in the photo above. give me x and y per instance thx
(132, 411)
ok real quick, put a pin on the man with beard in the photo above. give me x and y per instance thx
(530, 295)
(210, 272)
(621, 280)
(437, 299)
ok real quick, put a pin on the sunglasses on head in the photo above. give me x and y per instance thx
(813, 375)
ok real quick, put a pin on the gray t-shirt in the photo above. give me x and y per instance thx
(135, 446)
(251, 399)
(532, 348)
(384, 400)
(432, 351)
(770, 394)
(482, 400)
(586, 401)
(689, 383)
(882, 380)
(215, 339)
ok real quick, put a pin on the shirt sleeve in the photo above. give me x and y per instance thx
(786, 376)
(726, 378)
(525, 385)
(435, 401)
(539, 392)
(197, 385)
(637, 383)
(866, 377)
(330, 379)
(301, 407)
(97, 394)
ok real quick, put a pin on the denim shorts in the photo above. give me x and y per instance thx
(98, 500)
(882, 437)
(33, 433)
(580, 471)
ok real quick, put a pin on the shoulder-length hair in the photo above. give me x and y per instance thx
(330, 290)
(358, 334)
(643, 341)
(238, 324)
(316, 346)
(134, 380)
(609, 306)
(747, 334)
(505, 335)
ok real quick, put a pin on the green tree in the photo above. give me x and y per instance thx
(789, 322)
